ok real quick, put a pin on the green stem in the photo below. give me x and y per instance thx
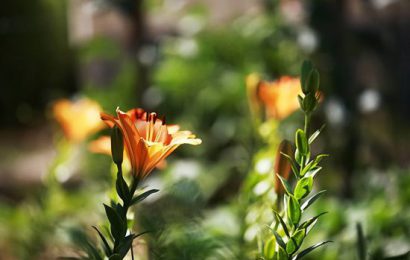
(307, 124)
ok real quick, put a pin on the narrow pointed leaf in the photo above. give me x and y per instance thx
(292, 164)
(117, 225)
(310, 200)
(313, 137)
(285, 184)
(308, 250)
(310, 221)
(313, 171)
(279, 240)
(282, 223)
(106, 246)
(143, 196)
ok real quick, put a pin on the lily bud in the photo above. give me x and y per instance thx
(306, 70)
(312, 84)
(117, 145)
(309, 102)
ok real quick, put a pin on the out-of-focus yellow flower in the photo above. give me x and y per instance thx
(148, 140)
(280, 97)
(79, 118)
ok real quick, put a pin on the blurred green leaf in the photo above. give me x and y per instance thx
(143, 196)
(106, 246)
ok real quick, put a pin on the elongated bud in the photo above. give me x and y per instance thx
(117, 145)
(313, 81)
(301, 142)
(306, 70)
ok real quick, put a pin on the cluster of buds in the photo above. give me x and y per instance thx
(309, 82)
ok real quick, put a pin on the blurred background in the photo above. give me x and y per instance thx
(188, 60)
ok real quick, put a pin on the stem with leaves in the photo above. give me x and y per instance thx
(289, 230)
(120, 236)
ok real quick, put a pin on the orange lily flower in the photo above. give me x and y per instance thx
(280, 97)
(78, 119)
(103, 146)
(148, 140)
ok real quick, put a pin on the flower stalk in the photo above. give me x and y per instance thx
(290, 227)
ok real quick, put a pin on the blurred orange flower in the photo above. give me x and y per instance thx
(280, 97)
(252, 85)
(103, 146)
(148, 139)
(79, 118)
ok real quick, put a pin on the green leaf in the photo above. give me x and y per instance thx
(269, 248)
(295, 242)
(312, 199)
(303, 187)
(117, 224)
(313, 171)
(308, 250)
(293, 210)
(115, 257)
(298, 237)
(122, 188)
(285, 184)
(301, 141)
(143, 196)
(292, 164)
(313, 137)
(125, 245)
(310, 222)
(282, 223)
(282, 255)
(92, 251)
(106, 246)
(279, 240)
(290, 246)
(313, 164)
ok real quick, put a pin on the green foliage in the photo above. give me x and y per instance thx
(295, 199)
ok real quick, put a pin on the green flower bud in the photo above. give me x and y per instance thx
(306, 70)
(117, 145)
(309, 102)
